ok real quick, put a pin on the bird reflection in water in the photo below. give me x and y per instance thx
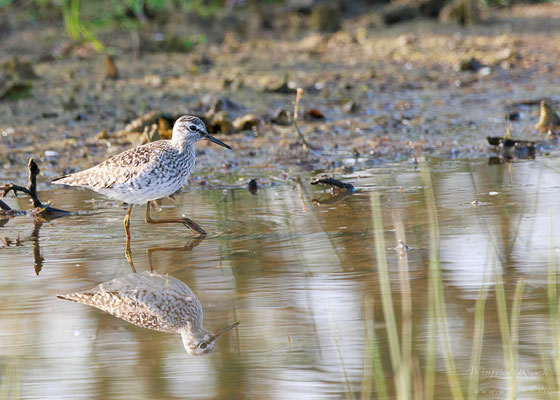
(154, 301)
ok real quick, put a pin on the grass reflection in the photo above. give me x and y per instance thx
(437, 355)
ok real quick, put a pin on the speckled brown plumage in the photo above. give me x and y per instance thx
(153, 301)
(150, 300)
(149, 172)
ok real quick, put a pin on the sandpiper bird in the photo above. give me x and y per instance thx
(149, 172)
(154, 301)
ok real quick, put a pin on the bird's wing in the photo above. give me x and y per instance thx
(145, 299)
(118, 169)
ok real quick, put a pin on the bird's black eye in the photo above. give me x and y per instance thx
(203, 345)
(192, 128)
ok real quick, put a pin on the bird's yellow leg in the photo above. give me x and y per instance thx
(127, 222)
(186, 221)
(127, 232)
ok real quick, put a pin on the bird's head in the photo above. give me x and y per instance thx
(202, 342)
(191, 129)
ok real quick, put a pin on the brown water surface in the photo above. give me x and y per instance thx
(299, 270)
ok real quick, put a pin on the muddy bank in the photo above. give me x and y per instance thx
(370, 95)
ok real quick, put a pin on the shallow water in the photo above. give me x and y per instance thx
(299, 270)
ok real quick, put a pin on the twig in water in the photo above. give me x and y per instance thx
(31, 191)
(333, 182)
(4, 206)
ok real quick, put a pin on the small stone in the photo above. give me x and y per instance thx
(484, 71)
(253, 186)
(513, 116)
(472, 65)
(102, 135)
(350, 107)
(284, 87)
(51, 154)
(282, 117)
(246, 122)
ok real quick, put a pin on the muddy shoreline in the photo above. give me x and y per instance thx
(386, 95)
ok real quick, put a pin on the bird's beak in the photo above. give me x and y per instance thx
(214, 140)
(220, 332)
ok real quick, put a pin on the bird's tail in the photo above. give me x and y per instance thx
(78, 297)
(76, 179)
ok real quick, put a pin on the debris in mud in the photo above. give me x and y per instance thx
(525, 102)
(285, 87)
(202, 60)
(405, 10)
(471, 65)
(214, 104)
(336, 195)
(23, 70)
(15, 79)
(150, 134)
(140, 123)
(350, 107)
(217, 112)
(219, 122)
(253, 186)
(151, 126)
(102, 135)
(326, 17)
(111, 71)
(510, 148)
(246, 122)
(314, 113)
(549, 120)
(513, 116)
(281, 117)
(463, 12)
(326, 180)
(232, 84)
(40, 209)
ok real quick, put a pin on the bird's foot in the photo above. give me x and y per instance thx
(189, 223)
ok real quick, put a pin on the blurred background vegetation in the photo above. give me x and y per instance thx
(182, 24)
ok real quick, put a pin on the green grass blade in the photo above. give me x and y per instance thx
(387, 300)
(437, 286)
(552, 296)
(406, 305)
(374, 355)
(504, 325)
(88, 36)
(477, 341)
(431, 346)
(515, 313)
